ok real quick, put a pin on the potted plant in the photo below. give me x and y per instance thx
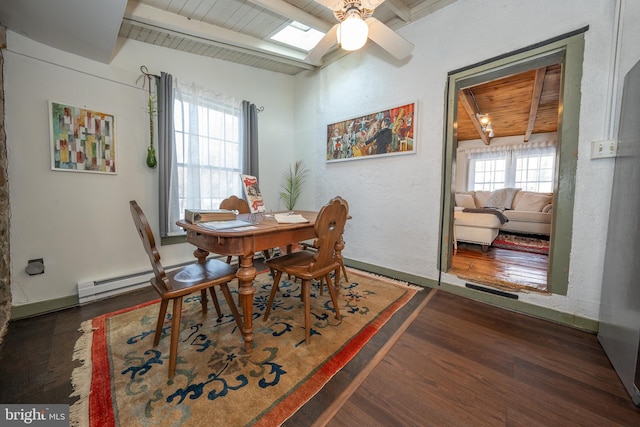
(292, 182)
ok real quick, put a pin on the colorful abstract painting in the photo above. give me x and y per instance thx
(381, 133)
(82, 140)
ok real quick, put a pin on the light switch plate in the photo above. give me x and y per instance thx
(604, 149)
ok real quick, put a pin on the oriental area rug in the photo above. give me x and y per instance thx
(522, 243)
(123, 381)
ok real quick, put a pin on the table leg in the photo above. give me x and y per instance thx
(246, 273)
(201, 255)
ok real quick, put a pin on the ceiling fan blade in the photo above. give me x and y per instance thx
(327, 42)
(330, 4)
(388, 39)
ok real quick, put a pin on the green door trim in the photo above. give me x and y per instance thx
(568, 50)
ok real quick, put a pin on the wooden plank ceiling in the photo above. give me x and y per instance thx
(522, 104)
(240, 31)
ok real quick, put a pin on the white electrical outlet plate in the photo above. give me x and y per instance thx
(604, 149)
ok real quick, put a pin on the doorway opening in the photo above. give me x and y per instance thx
(518, 158)
(505, 161)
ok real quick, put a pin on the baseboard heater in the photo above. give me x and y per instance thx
(96, 290)
(491, 291)
(100, 289)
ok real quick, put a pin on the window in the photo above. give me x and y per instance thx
(535, 172)
(528, 168)
(489, 174)
(208, 153)
(299, 36)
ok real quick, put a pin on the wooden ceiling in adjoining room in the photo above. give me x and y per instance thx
(521, 104)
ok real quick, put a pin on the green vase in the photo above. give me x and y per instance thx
(152, 162)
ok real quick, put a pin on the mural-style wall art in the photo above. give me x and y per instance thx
(82, 140)
(382, 133)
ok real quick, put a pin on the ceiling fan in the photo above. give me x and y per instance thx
(355, 26)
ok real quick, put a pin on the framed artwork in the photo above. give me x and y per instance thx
(381, 133)
(252, 192)
(82, 140)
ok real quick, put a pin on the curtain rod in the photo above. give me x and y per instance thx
(146, 75)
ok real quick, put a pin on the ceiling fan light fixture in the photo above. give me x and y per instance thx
(353, 32)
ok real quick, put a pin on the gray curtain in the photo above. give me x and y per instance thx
(249, 138)
(166, 152)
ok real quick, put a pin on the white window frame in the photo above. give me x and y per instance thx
(500, 165)
(208, 151)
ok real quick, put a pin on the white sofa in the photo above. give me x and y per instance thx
(528, 213)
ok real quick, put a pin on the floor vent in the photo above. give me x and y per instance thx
(491, 291)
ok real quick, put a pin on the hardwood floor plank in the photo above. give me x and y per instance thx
(459, 363)
(501, 267)
(466, 363)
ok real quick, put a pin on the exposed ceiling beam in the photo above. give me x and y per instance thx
(399, 8)
(157, 19)
(287, 10)
(469, 105)
(535, 101)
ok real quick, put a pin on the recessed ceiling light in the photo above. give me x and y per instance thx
(299, 36)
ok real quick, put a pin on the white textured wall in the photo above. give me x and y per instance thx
(79, 222)
(395, 201)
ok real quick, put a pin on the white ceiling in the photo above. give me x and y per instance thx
(88, 28)
(231, 30)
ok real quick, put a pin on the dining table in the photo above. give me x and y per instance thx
(261, 232)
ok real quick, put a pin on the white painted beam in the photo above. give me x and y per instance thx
(158, 19)
(287, 10)
(399, 8)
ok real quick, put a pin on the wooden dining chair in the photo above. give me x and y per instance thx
(309, 246)
(174, 285)
(313, 265)
(234, 203)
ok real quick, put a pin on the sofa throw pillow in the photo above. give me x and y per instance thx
(465, 201)
(481, 198)
(532, 202)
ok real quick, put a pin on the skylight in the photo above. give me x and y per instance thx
(298, 35)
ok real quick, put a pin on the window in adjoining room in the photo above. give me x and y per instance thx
(530, 169)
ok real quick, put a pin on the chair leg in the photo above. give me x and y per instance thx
(214, 297)
(232, 305)
(344, 271)
(334, 298)
(175, 335)
(276, 281)
(306, 294)
(161, 316)
(203, 300)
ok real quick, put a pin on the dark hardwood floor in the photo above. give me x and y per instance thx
(502, 268)
(464, 363)
(454, 362)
